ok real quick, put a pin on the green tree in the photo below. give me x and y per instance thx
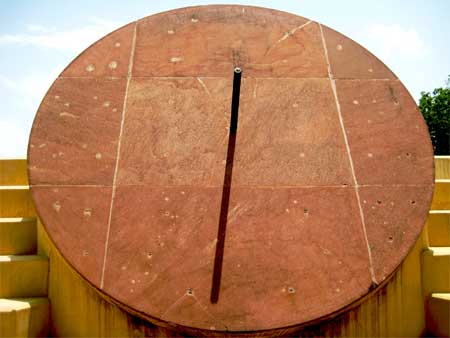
(435, 108)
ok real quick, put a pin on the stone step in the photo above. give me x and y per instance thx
(13, 171)
(442, 167)
(441, 196)
(436, 270)
(18, 236)
(438, 224)
(23, 276)
(24, 317)
(437, 312)
(15, 201)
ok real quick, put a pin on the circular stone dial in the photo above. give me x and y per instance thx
(331, 182)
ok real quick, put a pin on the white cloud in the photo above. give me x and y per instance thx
(7, 83)
(393, 41)
(39, 28)
(36, 84)
(27, 92)
(72, 40)
(13, 140)
(31, 88)
(402, 49)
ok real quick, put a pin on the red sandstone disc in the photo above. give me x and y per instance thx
(331, 183)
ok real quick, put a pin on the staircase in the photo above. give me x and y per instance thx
(436, 258)
(24, 306)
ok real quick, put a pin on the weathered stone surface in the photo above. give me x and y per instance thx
(289, 134)
(387, 136)
(169, 250)
(175, 131)
(349, 60)
(284, 251)
(209, 42)
(108, 57)
(75, 133)
(76, 218)
(394, 216)
(331, 183)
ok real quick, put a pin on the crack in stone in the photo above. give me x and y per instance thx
(69, 115)
(204, 86)
(355, 181)
(172, 305)
(286, 35)
(207, 312)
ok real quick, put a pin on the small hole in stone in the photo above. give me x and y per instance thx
(291, 290)
(408, 154)
(412, 202)
(391, 238)
(149, 255)
(379, 202)
(306, 212)
(190, 291)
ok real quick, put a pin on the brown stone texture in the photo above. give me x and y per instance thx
(75, 134)
(283, 250)
(76, 218)
(295, 233)
(387, 135)
(199, 42)
(349, 60)
(175, 131)
(169, 251)
(289, 134)
(331, 183)
(394, 216)
(108, 57)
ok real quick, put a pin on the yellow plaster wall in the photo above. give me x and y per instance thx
(13, 171)
(16, 202)
(442, 167)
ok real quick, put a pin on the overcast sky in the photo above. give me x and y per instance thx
(38, 38)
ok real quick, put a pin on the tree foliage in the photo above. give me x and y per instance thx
(435, 108)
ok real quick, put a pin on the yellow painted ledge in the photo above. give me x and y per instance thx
(16, 201)
(438, 314)
(441, 195)
(13, 171)
(18, 236)
(24, 317)
(23, 276)
(442, 166)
